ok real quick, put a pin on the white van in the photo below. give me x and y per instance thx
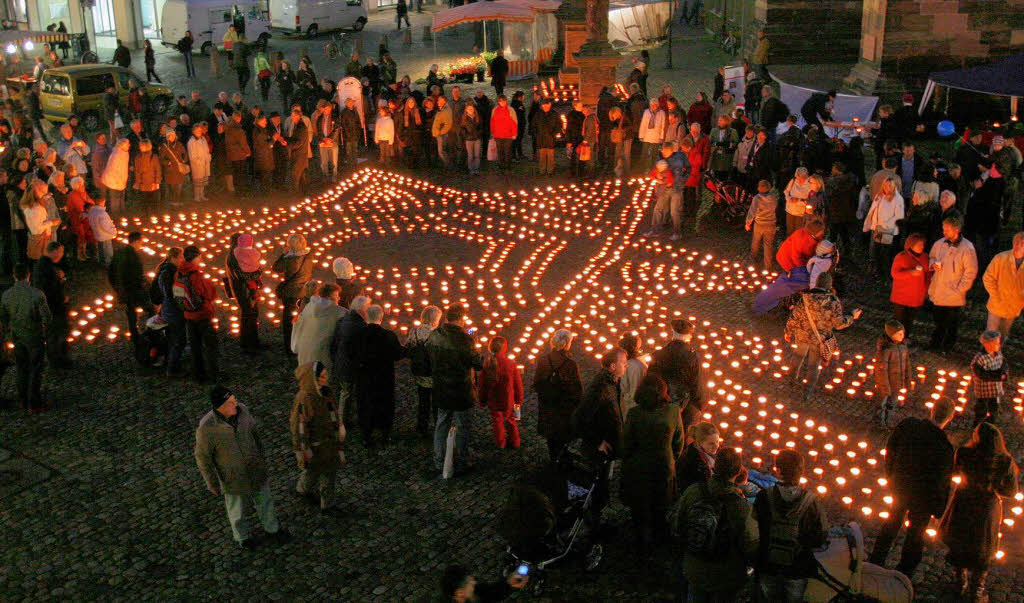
(209, 21)
(314, 16)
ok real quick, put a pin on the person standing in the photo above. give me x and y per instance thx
(559, 388)
(329, 137)
(441, 128)
(240, 61)
(147, 175)
(452, 362)
(295, 265)
(150, 61)
(652, 441)
(171, 311)
(760, 57)
(842, 195)
(348, 335)
(315, 326)
(761, 219)
(231, 460)
(49, 278)
(199, 159)
(419, 361)
(919, 467)
(122, 56)
(505, 128)
(954, 265)
(910, 277)
(651, 132)
(791, 525)
(679, 365)
(317, 436)
(245, 285)
(263, 153)
(115, 175)
(237, 149)
(298, 149)
(126, 277)
(174, 166)
(882, 222)
(499, 72)
(377, 354)
(810, 330)
(546, 127)
(196, 295)
(24, 316)
(1004, 282)
(970, 525)
(892, 370)
(469, 132)
(500, 390)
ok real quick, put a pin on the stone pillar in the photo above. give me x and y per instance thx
(597, 59)
(572, 33)
(128, 23)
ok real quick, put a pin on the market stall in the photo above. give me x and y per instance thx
(18, 45)
(1004, 77)
(528, 34)
(637, 22)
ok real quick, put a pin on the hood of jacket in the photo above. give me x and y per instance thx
(322, 307)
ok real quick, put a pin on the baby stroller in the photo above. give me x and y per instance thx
(151, 348)
(844, 575)
(733, 199)
(547, 517)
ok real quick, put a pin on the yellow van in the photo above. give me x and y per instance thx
(79, 89)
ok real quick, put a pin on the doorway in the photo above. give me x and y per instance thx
(103, 23)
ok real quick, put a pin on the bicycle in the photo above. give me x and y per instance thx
(340, 45)
(726, 198)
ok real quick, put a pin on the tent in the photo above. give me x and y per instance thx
(637, 22)
(1004, 77)
(846, 107)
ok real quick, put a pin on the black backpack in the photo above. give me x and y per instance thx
(552, 384)
(708, 534)
(419, 358)
(784, 535)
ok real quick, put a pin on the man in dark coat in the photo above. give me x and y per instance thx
(375, 385)
(546, 127)
(348, 336)
(23, 317)
(598, 422)
(298, 150)
(817, 108)
(499, 71)
(49, 278)
(679, 365)
(129, 283)
(919, 466)
(842, 196)
(773, 111)
(452, 362)
(122, 56)
(351, 131)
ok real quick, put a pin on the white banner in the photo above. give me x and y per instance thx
(350, 87)
(735, 83)
(845, 108)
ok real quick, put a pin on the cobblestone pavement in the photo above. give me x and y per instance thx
(100, 498)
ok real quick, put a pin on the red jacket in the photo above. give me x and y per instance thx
(909, 285)
(665, 178)
(200, 291)
(696, 158)
(503, 122)
(500, 386)
(796, 250)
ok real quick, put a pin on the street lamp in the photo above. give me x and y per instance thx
(671, 20)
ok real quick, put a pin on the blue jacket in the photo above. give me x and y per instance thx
(679, 163)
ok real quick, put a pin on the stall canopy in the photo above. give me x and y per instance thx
(16, 36)
(1004, 77)
(506, 12)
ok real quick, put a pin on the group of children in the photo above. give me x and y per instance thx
(893, 380)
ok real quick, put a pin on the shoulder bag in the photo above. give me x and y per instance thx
(826, 347)
(182, 168)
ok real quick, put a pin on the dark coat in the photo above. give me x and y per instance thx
(165, 273)
(970, 526)
(263, 149)
(295, 271)
(842, 196)
(499, 71)
(651, 443)
(350, 289)
(169, 152)
(546, 126)
(557, 398)
(126, 277)
(680, 367)
(46, 279)
(298, 144)
(597, 419)
(773, 113)
(691, 468)
(919, 464)
(378, 351)
(345, 346)
(452, 358)
(235, 143)
(351, 127)
(984, 208)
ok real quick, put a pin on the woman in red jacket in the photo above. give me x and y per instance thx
(500, 389)
(504, 129)
(701, 112)
(910, 277)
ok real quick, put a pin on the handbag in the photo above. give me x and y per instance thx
(882, 236)
(492, 150)
(182, 168)
(826, 347)
(263, 74)
(584, 151)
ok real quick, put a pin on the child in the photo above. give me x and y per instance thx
(761, 218)
(663, 179)
(103, 230)
(892, 370)
(78, 205)
(500, 389)
(990, 372)
(824, 259)
(384, 135)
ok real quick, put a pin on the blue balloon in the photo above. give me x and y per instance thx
(946, 128)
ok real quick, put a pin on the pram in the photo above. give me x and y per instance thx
(843, 574)
(548, 517)
(151, 348)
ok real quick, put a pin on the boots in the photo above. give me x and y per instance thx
(962, 582)
(978, 594)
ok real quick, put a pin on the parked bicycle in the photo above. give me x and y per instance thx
(81, 51)
(340, 45)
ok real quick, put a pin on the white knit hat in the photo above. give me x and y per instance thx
(342, 268)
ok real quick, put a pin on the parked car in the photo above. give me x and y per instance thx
(209, 20)
(315, 16)
(79, 89)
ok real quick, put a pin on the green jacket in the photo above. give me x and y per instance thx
(452, 357)
(728, 574)
(24, 314)
(230, 456)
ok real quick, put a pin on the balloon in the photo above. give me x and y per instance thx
(946, 128)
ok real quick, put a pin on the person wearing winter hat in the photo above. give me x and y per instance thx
(244, 283)
(663, 187)
(232, 464)
(824, 260)
(317, 435)
(892, 370)
(344, 276)
(990, 372)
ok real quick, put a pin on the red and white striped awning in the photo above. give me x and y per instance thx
(507, 11)
(20, 35)
(539, 6)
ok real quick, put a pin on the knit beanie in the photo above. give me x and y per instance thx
(248, 256)
(892, 327)
(219, 395)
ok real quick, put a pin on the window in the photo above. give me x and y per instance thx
(55, 84)
(17, 10)
(94, 84)
(354, 2)
(123, 78)
(218, 15)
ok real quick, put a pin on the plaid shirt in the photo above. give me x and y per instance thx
(989, 374)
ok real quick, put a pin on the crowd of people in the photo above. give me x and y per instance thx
(61, 198)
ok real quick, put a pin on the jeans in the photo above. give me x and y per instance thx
(794, 223)
(662, 202)
(351, 151)
(264, 88)
(204, 349)
(442, 148)
(505, 151)
(106, 249)
(28, 359)
(243, 78)
(237, 504)
(399, 18)
(445, 419)
(190, 68)
(947, 324)
(115, 202)
(780, 589)
(175, 341)
(473, 155)
(913, 546)
(624, 154)
(424, 410)
(652, 152)
(998, 323)
(763, 240)
(329, 161)
(882, 255)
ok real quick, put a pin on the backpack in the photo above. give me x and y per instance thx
(185, 294)
(784, 535)
(708, 534)
(419, 358)
(156, 294)
(552, 385)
